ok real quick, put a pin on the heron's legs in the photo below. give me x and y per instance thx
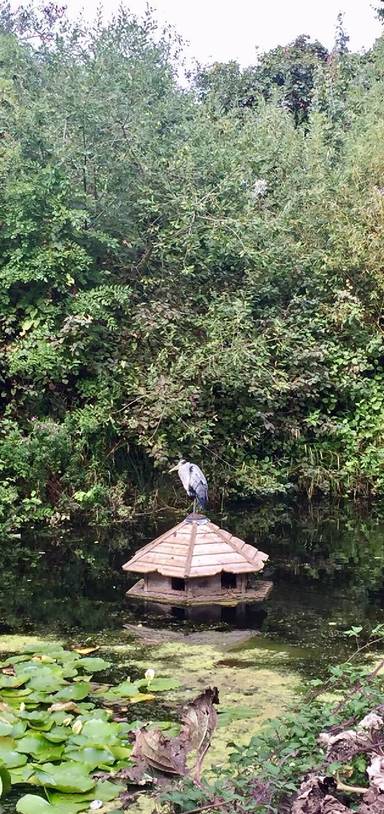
(194, 506)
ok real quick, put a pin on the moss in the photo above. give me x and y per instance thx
(244, 677)
(16, 643)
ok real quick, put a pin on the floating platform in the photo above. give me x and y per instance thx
(229, 598)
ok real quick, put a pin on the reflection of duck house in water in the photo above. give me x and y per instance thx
(197, 562)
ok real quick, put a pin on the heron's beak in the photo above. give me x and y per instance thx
(173, 468)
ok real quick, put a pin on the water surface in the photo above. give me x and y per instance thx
(326, 562)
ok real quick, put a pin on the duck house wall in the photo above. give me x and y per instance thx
(158, 584)
(203, 586)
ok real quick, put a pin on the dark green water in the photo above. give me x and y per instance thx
(326, 562)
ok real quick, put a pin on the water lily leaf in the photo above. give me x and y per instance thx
(58, 734)
(35, 717)
(36, 665)
(18, 729)
(69, 776)
(37, 746)
(21, 774)
(121, 752)
(73, 692)
(84, 651)
(93, 665)
(104, 790)
(45, 680)
(14, 660)
(13, 681)
(99, 733)
(124, 690)
(5, 728)
(5, 781)
(32, 804)
(8, 754)
(91, 757)
(12, 695)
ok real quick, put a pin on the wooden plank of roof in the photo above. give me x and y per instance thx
(155, 557)
(188, 561)
(213, 548)
(216, 551)
(209, 571)
(226, 559)
(234, 555)
(235, 546)
(174, 549)
(142, 551)
(159, 558)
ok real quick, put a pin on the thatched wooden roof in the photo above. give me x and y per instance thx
(196, 548)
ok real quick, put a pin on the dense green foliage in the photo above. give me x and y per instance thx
(185, 277)
(287, 74)
(265, 775)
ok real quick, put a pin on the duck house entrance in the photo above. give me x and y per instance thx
(228, 580)
(177, 584)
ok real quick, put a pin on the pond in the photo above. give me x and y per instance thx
(327, 566)
(326, 562)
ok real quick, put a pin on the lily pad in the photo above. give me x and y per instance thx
(32, 804)
(72, 692)
(91, 757)
(11, 660)
(13, 681)
(100, 733)
(12, 695)
(45, 680)
(8, 754)
(36, 745)
(18, 729)
(93, 665)
(21, 774)
(104, 790)
(58, 734)
(5, 728)
(123, 690)
(69, 777)
(39, 718)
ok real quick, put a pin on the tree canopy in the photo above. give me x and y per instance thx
(191, 272)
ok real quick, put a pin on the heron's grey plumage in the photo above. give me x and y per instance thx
(194, 481)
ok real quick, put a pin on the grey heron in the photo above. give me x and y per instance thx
(193, 480)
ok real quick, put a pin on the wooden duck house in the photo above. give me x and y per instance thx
(197, 562)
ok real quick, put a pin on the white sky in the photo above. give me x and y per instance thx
(232, 29)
